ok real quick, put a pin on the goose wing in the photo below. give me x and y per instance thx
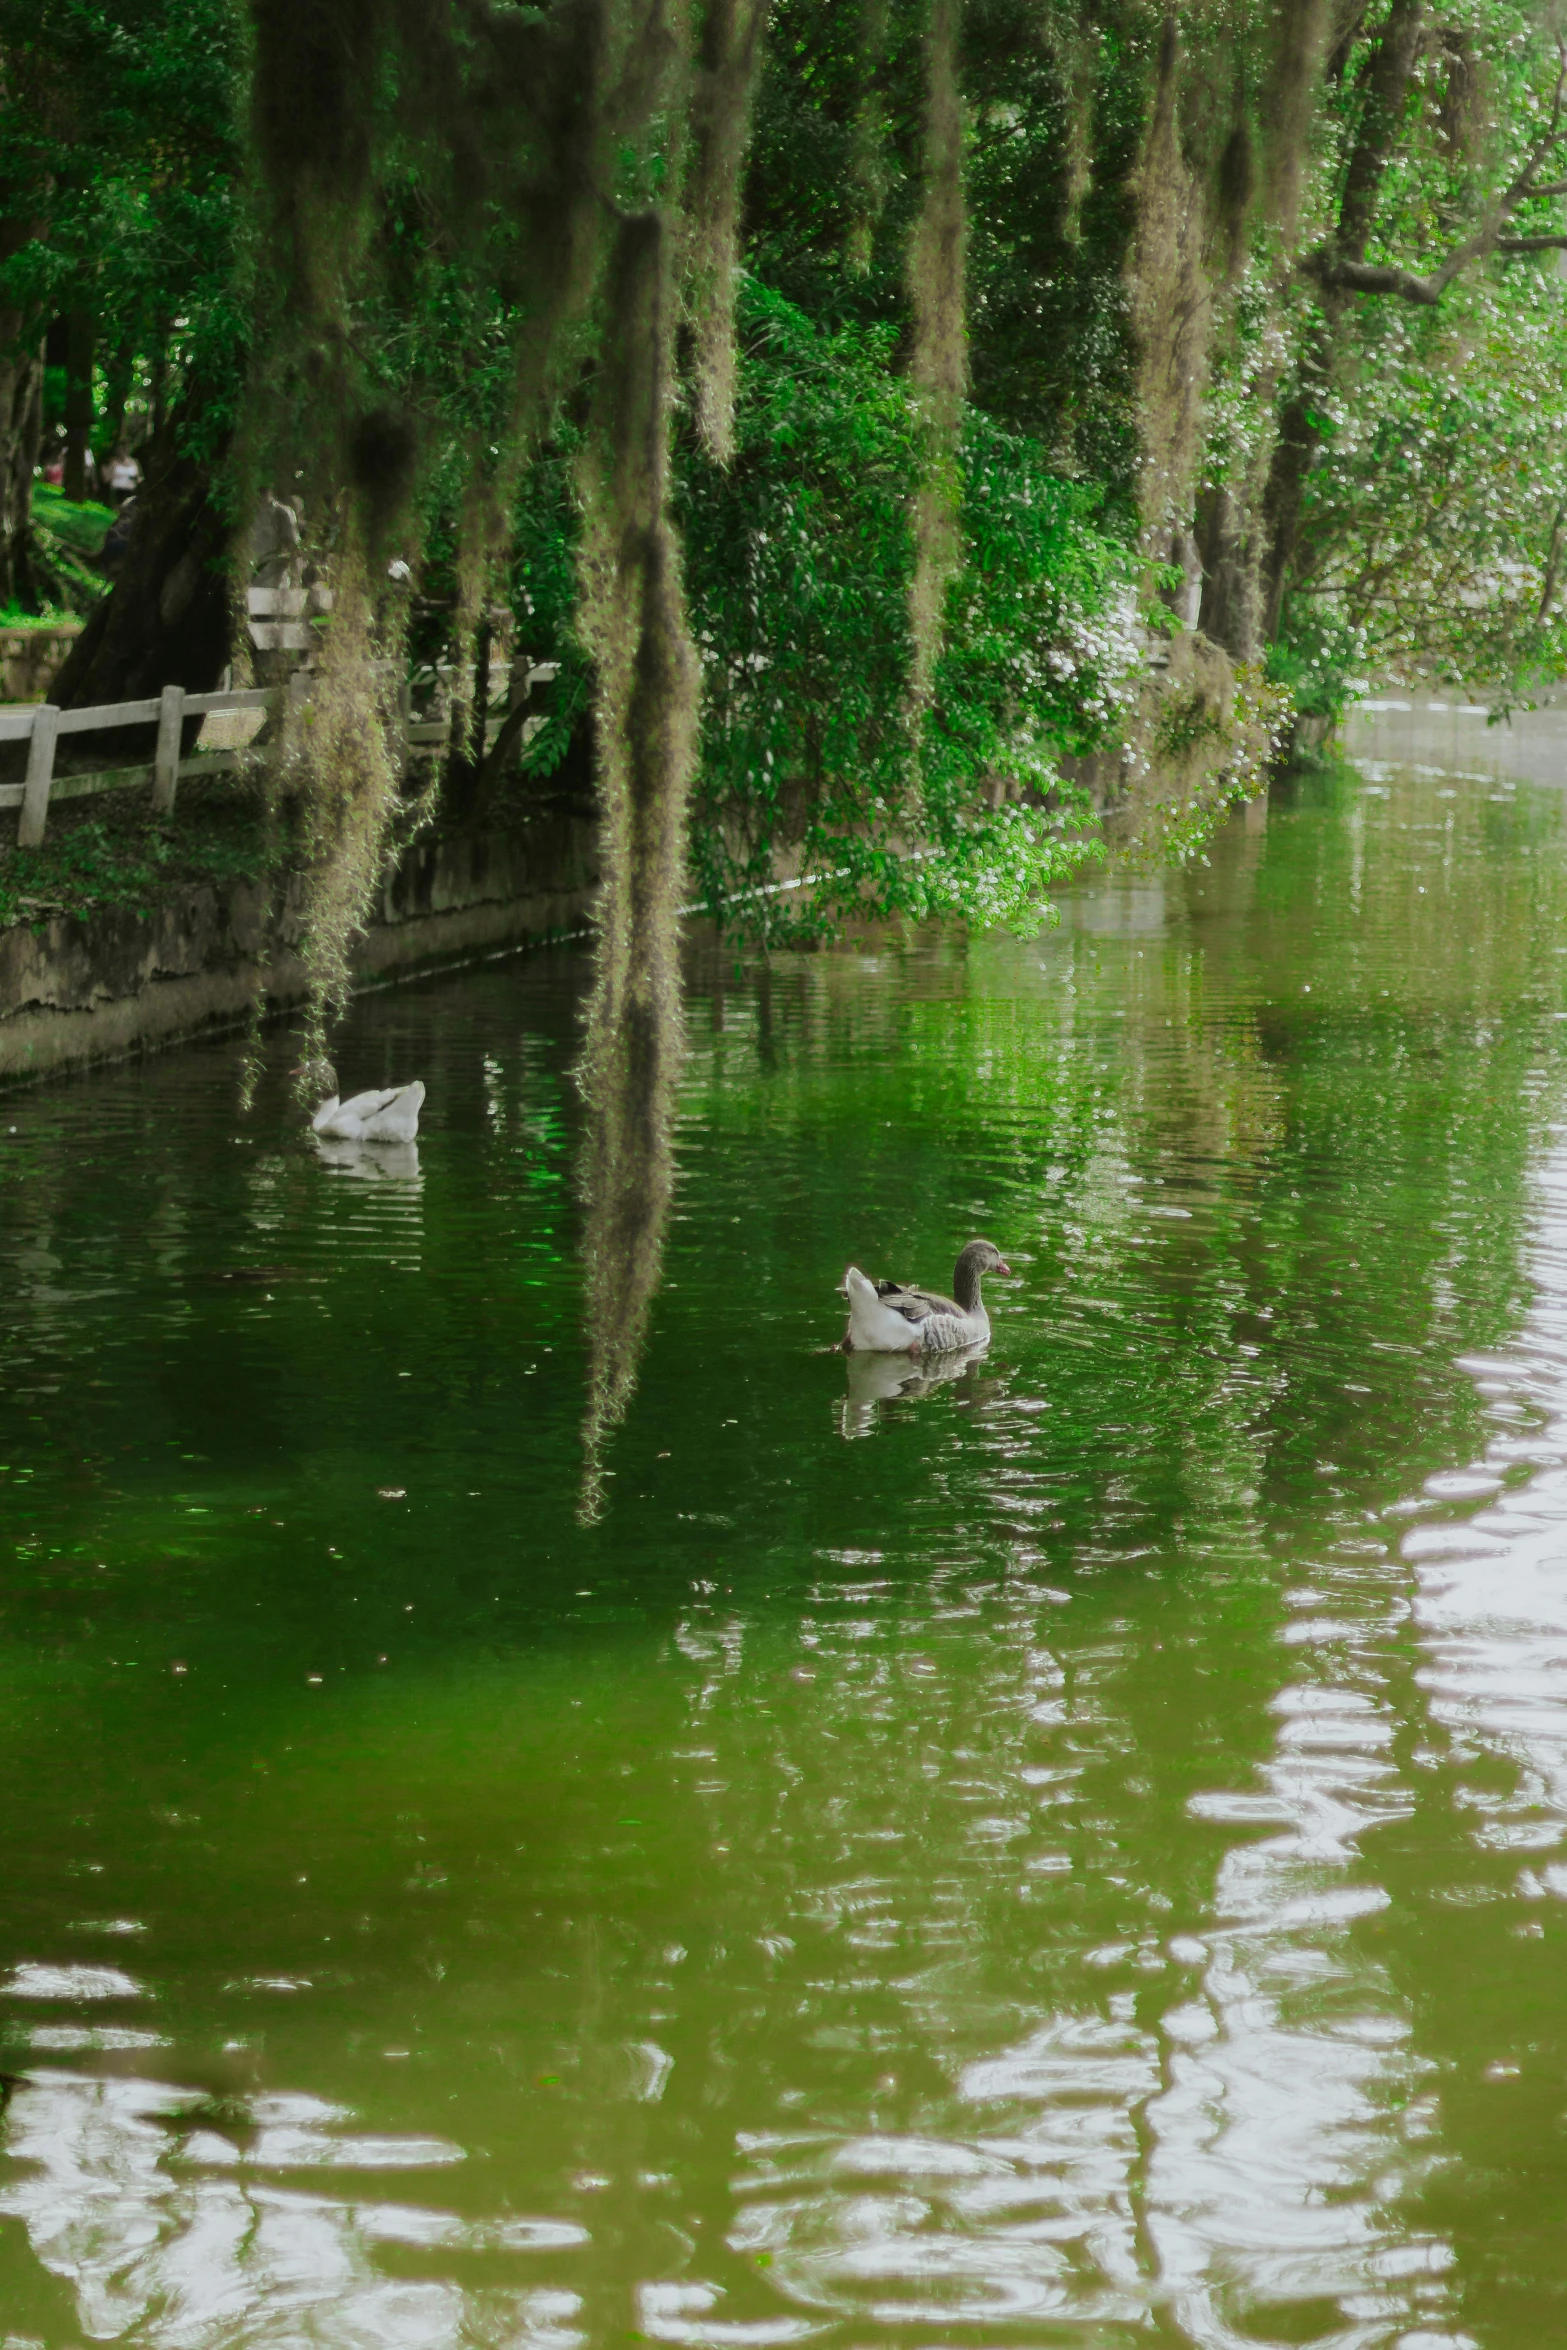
(915, 1305)
(397, 1118)
(365, 1105)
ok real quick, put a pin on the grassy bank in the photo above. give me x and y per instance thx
(110, 852)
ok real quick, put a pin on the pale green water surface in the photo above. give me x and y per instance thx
(1075, 1856)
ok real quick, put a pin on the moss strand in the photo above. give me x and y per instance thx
(939, 368)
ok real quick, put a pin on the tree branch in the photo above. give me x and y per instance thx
(1348, 273)
(1375, 277)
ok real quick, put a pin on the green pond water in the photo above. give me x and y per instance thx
(1072, 1853)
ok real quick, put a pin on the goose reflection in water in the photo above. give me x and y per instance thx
(382, 1162)
(872, 1380)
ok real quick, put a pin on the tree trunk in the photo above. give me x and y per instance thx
(1227, 539)
(166, 620)
(1300, 435)
(1294, 454)
(78, 401)
(21, 431)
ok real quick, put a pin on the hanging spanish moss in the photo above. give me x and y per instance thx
(868, 166)
(335, 752)
(633, 620)
(514, 116)
(348, 460)
(1300, 35)
(313, 129)
(1172, 312)
(336, 763)
(597, 91)
(1074, 47)
(939, 368)
(728, 57)
(559, 94)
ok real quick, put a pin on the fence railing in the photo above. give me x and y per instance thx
(43, 727)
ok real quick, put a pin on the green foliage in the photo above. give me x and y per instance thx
(119, 189)
(1318, 658)
(1430, 520)
(1055, 108)
(383, 245)
(799, 562)
(1434, 523)
(65, 539)
(80, 527)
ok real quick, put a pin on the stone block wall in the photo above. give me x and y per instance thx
(79, 989)
(32, 658)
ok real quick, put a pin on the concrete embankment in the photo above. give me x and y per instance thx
(78, 989)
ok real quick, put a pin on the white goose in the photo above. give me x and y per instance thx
(392, 1116)
(885, 1317)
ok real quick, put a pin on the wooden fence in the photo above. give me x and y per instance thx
(43, 727)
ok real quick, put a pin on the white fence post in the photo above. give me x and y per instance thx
(166, 760)
(40, 775)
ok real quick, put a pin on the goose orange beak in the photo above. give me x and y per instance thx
(1004, 1267)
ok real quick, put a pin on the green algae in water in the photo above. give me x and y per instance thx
(1029, 1856)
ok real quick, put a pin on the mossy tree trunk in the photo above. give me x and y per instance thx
(938, 367)
(167, 619)
(21, 431)
(1171, 285)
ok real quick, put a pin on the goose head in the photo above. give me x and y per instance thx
(978, 1259)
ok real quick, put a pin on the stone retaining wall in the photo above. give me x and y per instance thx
(32, 658)
(82, 989)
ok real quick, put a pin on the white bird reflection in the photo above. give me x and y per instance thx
(384, 1162)
(872, 1380)
(172, 2233)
